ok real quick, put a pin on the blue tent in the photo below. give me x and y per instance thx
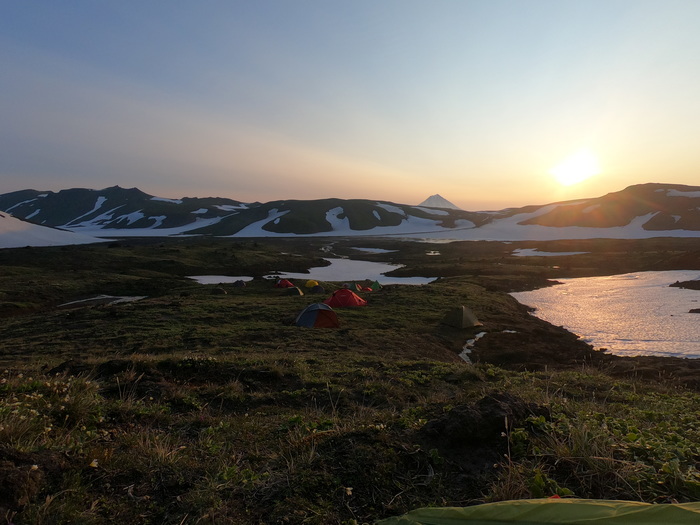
(317, 315)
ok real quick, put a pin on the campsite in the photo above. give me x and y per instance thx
(227, 403)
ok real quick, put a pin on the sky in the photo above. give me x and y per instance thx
(480, 101)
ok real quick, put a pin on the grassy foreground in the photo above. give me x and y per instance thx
(195, 406)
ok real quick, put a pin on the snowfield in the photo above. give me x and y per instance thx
(15, 233)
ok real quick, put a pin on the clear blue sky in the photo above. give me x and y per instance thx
(392, 100)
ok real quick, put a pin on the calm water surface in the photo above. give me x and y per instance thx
(338, 270)
(630, 314)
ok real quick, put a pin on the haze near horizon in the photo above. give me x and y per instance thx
(490, 104)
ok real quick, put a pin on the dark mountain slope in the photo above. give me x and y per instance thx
(674, 207)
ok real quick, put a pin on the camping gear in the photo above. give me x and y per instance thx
(311, 283)
(284, 283)
(318, 289)
(317, 315)
(554, 511)
(461, 317)
(294, 290)
(343, 298)
(239, 284)
(375, 286)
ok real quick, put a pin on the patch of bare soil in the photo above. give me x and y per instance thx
(473, 437)
(24, 475)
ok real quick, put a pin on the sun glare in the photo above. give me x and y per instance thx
(576, 168)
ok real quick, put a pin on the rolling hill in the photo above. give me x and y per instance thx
(640, 211)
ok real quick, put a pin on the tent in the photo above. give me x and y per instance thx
(554, 511)
(284, 283)
(344, 297)
(294, 290)
(361, 287)
(311, 283)
(375, 286)
(318, 289)
(461, 317)
(240, 283)
(317, 315)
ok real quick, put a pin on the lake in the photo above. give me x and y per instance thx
(338, 270)
(629, 314)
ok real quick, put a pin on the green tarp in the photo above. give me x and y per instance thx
(559, 511)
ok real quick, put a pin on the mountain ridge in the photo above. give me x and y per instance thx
(644, 210)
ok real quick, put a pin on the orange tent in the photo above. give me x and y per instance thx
(344, 297)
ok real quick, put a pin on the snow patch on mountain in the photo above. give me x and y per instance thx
(158, 220)
(678, 193)
(231, 207)
(98, 204)
(94, 223)
(509, 229)
(337, 224)
(163, 199)
(20, 204)
(15, 233)
(392, 209)
(431, 211)
(153, 230)
(131, 217)
(256, 229)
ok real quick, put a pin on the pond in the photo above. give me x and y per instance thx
(338, 270)
(630, 314)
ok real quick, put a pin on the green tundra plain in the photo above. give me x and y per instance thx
(204, 404)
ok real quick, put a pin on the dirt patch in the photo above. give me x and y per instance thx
(23, 476)
(474, 437)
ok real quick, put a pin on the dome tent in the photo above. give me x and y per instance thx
(284, 283)
(317, 315)
(375, 286)
(345, 297)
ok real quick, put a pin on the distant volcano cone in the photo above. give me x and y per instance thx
(436, 201)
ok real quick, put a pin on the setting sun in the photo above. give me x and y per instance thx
(576, 168)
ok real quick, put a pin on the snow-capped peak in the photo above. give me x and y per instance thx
(437, 201)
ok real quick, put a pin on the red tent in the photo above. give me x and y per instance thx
(284, 283)
(344, 297)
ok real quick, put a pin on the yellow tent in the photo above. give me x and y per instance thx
(311, 283)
